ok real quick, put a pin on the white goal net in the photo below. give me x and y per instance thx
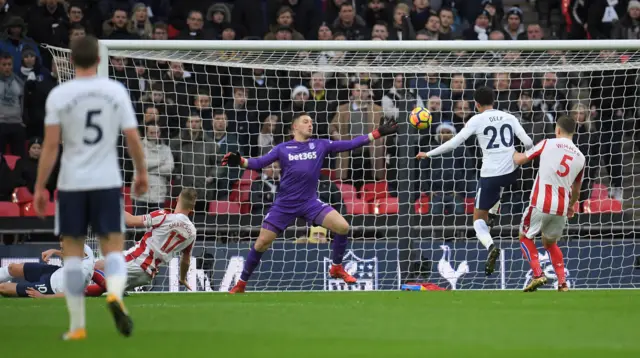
(411, 222)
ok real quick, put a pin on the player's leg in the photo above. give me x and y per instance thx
(551, 232)
(487, 196)
(337, 224)
(11, 271)
(530, 226)
(9, 289)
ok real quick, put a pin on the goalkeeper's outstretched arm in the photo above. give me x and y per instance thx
(388, 127)
(234, 159)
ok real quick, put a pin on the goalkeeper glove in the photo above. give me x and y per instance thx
(233, 159)
(389, 126)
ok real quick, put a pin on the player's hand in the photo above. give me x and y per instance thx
(570, 212)
(140, 184)
(34, 293)
(184, 283)
(389, 126)
(46, 256)
(40, 202)
(422, 155)
(232, 159)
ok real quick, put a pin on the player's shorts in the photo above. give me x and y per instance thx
(490, 189)
(279, 218)
(535, 221)
(136, 276)
(76, 210)
(38, 277)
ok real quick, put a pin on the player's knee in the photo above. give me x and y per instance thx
(4, 289)
(263, 243)
(548, 241)
(342, 228)
(16, 270)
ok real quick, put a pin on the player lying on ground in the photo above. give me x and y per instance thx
(301, 161)
(88, 113)
(561, 168)
(41, 279)
(495, 132)
(167, 234)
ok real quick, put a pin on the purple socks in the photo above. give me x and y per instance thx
(338, 247)
(253, 260)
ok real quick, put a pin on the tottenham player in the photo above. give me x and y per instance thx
(561, 168)
(87, 115)
(495, 132)
(41, 279)
(297, 195)
(167, 235)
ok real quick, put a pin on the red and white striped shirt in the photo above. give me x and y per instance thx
(561, 165)
(167, 235)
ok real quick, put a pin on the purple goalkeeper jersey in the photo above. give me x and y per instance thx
(300, 164)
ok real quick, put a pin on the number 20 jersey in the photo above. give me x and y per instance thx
(91, 113)
(495, 132)
(167, 234)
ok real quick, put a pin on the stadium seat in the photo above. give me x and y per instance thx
(599, 191)
(11, 160)
(28, 209)
(330, 173)
(348, 191)
(388, 205)
(21, 195)
(9, 209)
(597, 206)
(128, 203)
(374, 191)
(217, 207)
(469, 205)
(357, 206)
(422, 205)
(249, 174)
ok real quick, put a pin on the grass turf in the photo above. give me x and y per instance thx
(363, 324)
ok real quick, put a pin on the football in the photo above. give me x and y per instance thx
(420, 118)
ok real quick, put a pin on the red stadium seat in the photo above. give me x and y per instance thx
(597, 206)
(11, 160)
(330, 173)
(217, 207)
(469, 205)
(28, 209)
(374, 191)
(388, 205)
(9, 209)
(128, 203)
(348, 191)
(599, 191)
(357, 206)
(422, 205)
(249, 174)
(22, 195)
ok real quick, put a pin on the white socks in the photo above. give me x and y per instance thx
(115, 271)
(494, 209)
(74, 291)
(482, 232)
(4, 274)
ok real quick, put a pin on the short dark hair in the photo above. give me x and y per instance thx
(344, 4)
(219, 112)
(85, 52)
(484, 96)
(566, 124)
(160, 25)
(445, 9)
(77, 26)
(5, 56)
(298, 115)
(381, 23)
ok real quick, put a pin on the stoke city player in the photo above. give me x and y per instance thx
(561, 168)
(41, 279)
(301, 161)
(87, 114)
(167, 234)
(495, 132)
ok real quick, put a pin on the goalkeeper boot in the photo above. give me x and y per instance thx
(76, 335)
(337, 271)
(124, 324)
(535, 283)
(563, 288)
(490, 265)
(239, 287)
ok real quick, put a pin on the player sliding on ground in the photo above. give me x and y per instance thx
(167, 234)
(301, 160)
(561, 168)
(87, 114)
(495, 132)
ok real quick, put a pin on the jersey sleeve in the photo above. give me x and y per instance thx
(127, 114)
(51, 114)
(154, 219)
(336, 146)
(522, 135)
(456, 141)
(263, 161)
(536, 150)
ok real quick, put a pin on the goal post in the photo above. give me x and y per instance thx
(411, 221)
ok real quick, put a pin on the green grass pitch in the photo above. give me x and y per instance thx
(364, 324)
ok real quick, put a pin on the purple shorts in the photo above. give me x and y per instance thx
(279, 218)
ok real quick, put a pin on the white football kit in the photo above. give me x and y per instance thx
(561, 166)
(88, 262)
(167, 235)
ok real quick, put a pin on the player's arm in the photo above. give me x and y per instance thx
(523, 136)
(151, 220)
(388, 127)
(33, 293)
(133, 221)
(451, 144)
(185, 262)
(575, 191)
(46, 255)
(530, 154)
(234, 159)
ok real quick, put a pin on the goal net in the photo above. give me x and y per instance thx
(411, 222)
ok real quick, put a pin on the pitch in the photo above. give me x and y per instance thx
(364, 324)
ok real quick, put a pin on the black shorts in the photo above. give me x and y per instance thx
(38, 277)
(101, 209)
(490, 189)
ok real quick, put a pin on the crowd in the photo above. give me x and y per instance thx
(190, 115)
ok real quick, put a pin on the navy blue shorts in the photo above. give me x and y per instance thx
(38, 277)
(490, 189)
(101, 209)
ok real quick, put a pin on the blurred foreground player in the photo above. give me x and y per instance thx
(301, 161)
(555, 192)
(167, 234)
(87, 115)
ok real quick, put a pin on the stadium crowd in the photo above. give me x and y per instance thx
(190, 115)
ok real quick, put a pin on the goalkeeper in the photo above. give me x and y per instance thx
(301, 160)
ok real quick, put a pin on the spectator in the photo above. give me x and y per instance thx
(434, 105)
(139, 23)
(195, 156)
(284, 19)
(263, 190)
(226, 142)
(552, 99)
(178, 84)
(420, 14)
(322, 103)
(201, 105)
(423, 35)
(628, 28)
(266, 90)
(142, 78)
(533, 118)
(265, 138)
(251, 18)
(602, 16)
(283, 33)
(448, 29)
(16, 41)
(461, 113)
(28, 64)
(575, 14)
(47, 22)
(6, 11)
(38, 83)
(402, 29)
(458, 85)
(243, 121)
(76, 20)
(26, 168)
(481, 28)
(12, 128)
(349, 23)
(505, 97)
(359, 116)
(299, 98)
(586, 138)
(218, 17)
(534, 32)
(195, 28)
(317, 235)
(377, 11)
(117, 28)
(166, 106)
(380, 31)
(151, 117)
(125, 74)
(324, 32)
(329, 193)
(228, 32)
(514, 27)
(76, 31)
(7, 184)
(433, 27)
(496, 35)
(443, 176)
(431, 84)
(496, 12)
(160, 165)
(160, 31)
